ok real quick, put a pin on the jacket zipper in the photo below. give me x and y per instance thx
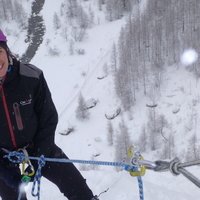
(8, 117)
(18, 116)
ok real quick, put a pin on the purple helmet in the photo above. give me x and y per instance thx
(2, 37)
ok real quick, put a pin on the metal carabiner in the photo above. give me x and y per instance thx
(148, 164)
(28, 162)
(141, 172)
(24, 162)
(137, 158)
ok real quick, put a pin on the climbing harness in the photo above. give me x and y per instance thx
(137, 168)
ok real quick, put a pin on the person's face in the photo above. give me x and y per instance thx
(3, 62)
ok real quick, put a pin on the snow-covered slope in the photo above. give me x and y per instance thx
(67, 76)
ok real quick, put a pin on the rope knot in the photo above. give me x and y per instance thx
(37, 178)
(41, 161)
(174, 167)
(15, 157)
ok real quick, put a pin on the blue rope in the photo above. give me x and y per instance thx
(37, 177)
(140, 184)
(19, 157)
(139, 178)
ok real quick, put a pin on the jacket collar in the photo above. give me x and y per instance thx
(11, 73)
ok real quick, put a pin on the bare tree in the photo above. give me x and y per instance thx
(193, 151)
(162, 123)
(78, 33)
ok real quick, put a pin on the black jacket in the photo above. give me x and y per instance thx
(32, 113)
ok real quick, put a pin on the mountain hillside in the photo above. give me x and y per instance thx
(72, 67)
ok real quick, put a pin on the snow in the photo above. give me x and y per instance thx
(67, 76)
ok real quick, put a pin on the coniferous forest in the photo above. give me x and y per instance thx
(153, 40)
(154, 36)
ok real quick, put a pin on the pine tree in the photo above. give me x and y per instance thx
(142, 143)
(123, 142)
(152, 128)
(82, 112)
(56, 21)
(168, 149)
(19, 14)
(82, 18)
(71, 47)
(114, 9)
(113, 58)
(105, 68)
(72, 7)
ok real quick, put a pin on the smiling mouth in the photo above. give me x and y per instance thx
(1, 66)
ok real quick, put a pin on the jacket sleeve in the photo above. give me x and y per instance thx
(47, 120)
